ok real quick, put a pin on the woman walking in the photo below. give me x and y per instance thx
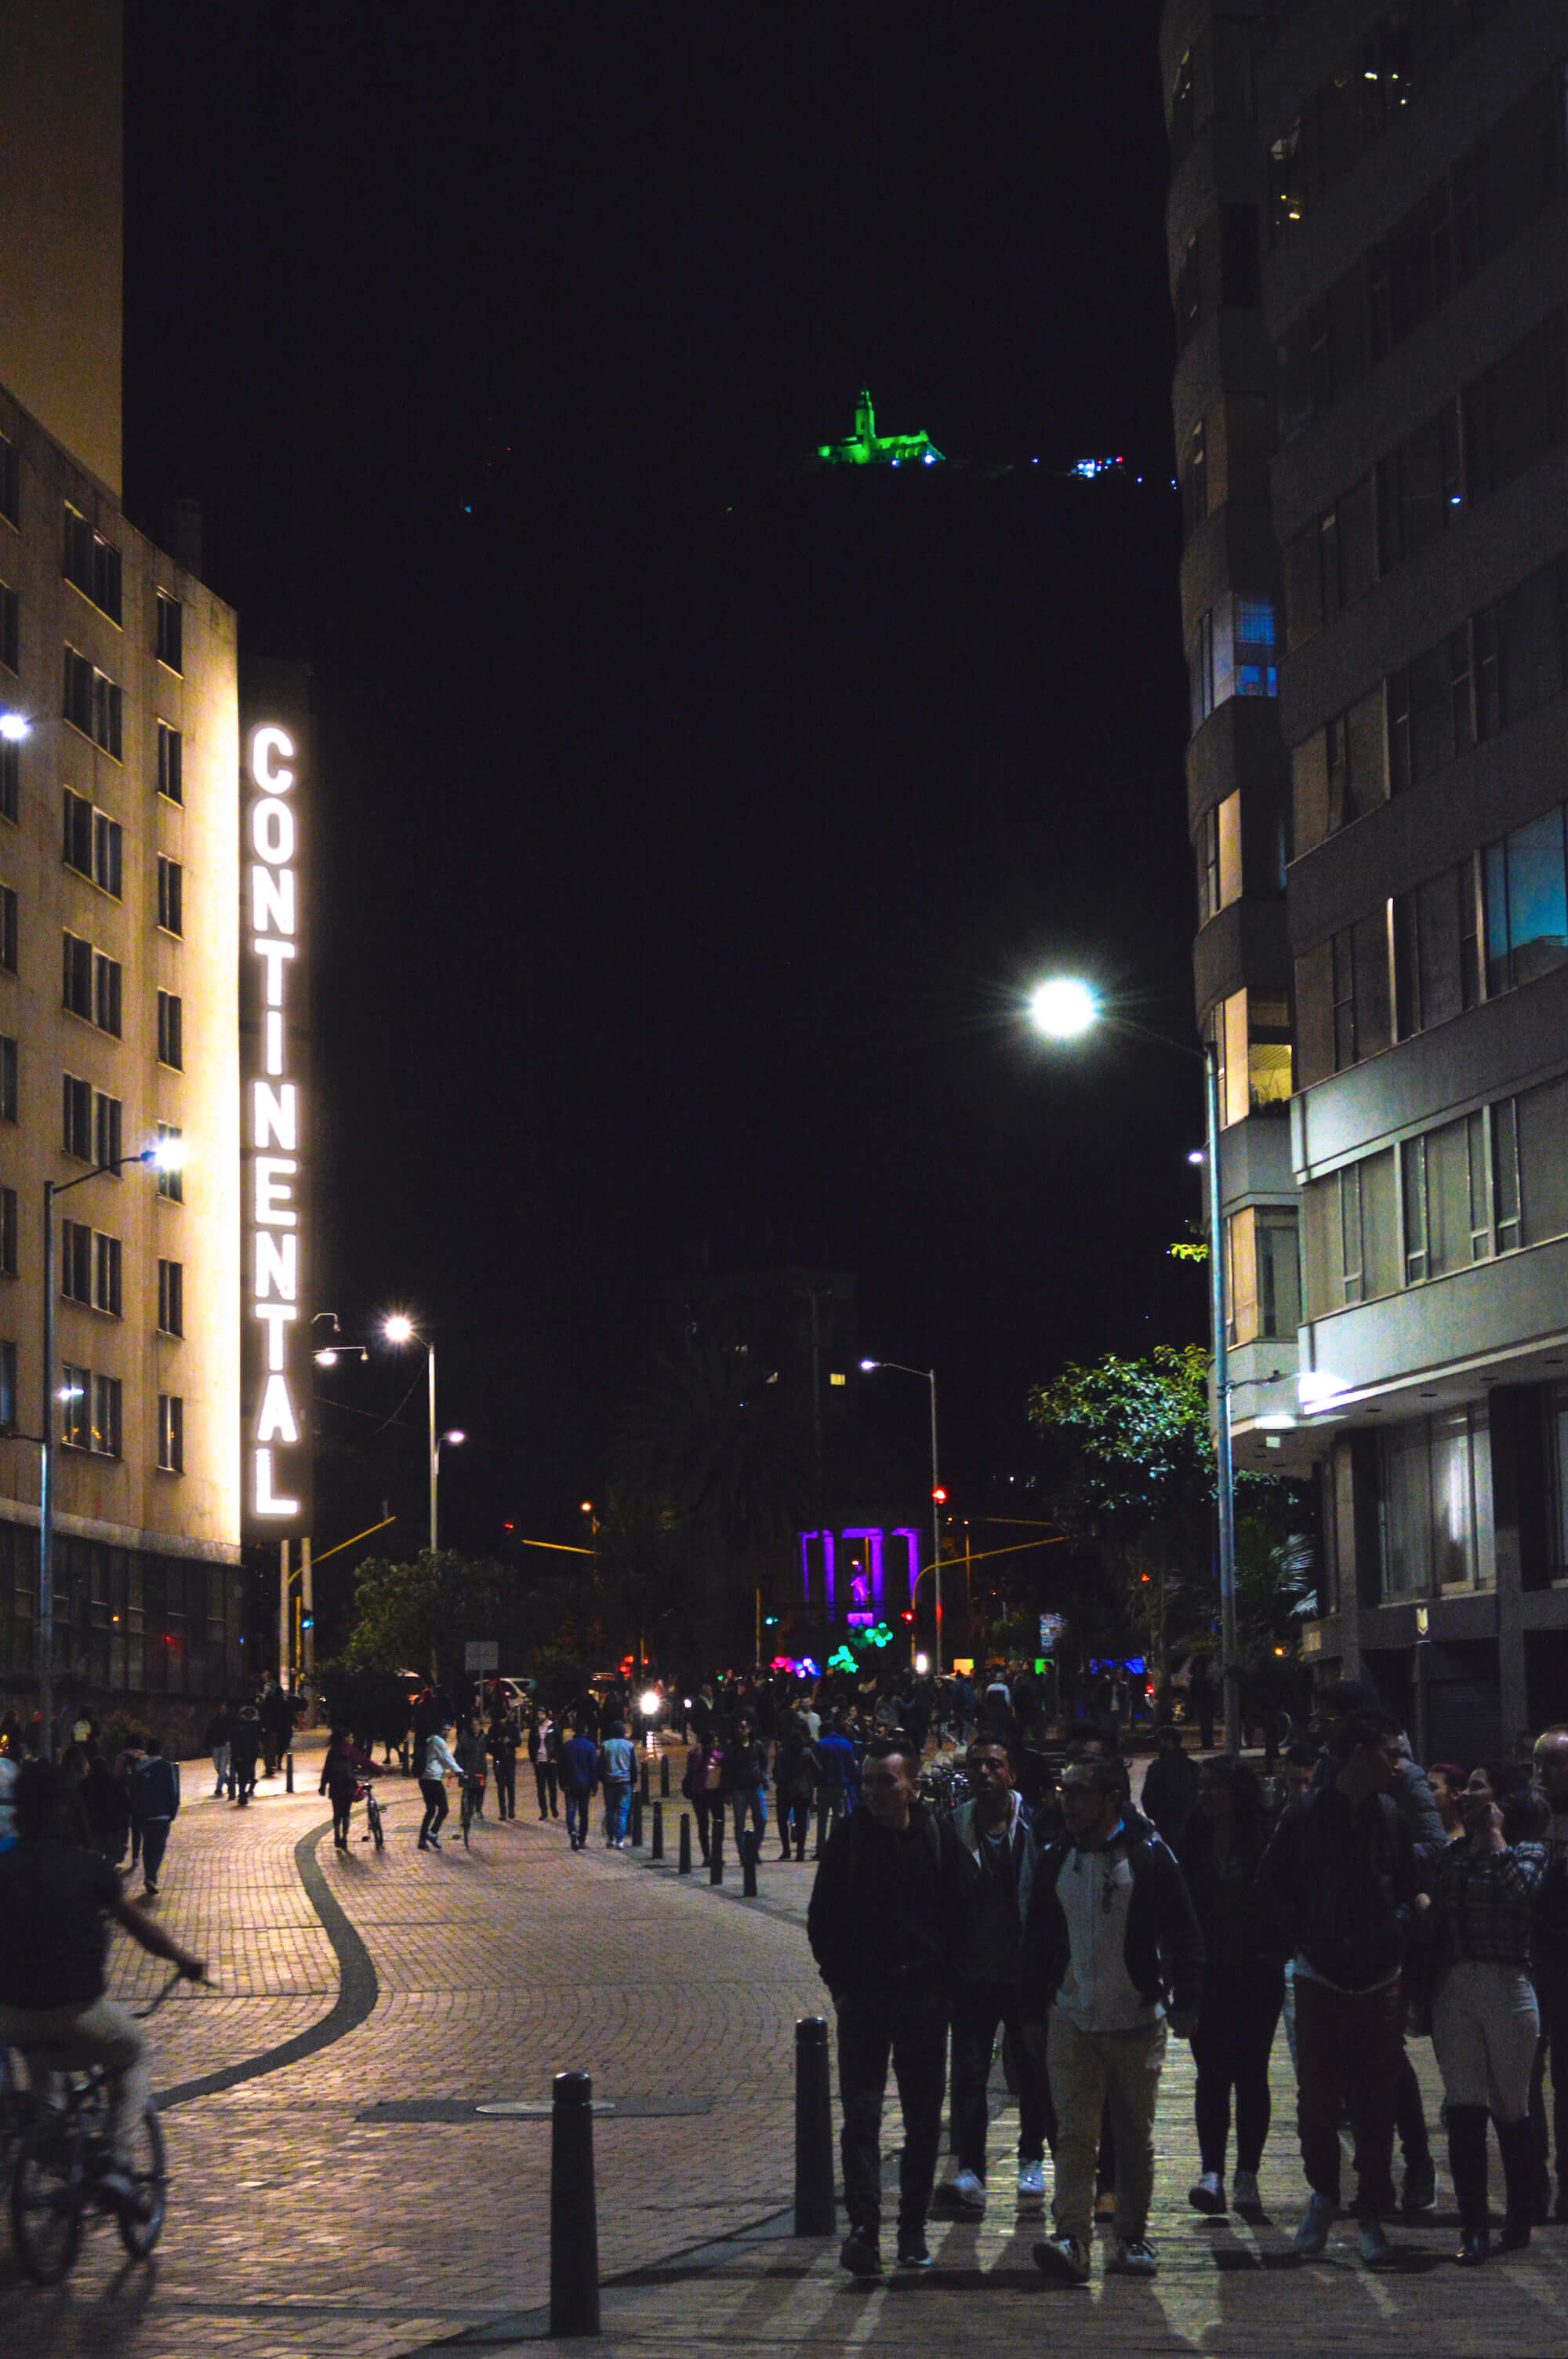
(1485, 2021)
(701, 1767)
(544, 1747)
(341, 1770)
(1244, 1981)
(435, 1768)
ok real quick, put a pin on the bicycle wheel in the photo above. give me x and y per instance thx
(140, 2226)
(47, 2191)
(375, 1822)
(467, 1815)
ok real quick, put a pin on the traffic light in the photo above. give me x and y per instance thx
(940, 1496)
(908, 1614)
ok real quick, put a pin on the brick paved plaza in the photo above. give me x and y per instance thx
(351, 2200)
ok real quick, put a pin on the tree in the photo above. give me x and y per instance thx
(419, 1616)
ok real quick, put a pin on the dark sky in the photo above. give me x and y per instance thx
(691, 826)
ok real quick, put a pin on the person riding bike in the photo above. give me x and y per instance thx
(52, 1976)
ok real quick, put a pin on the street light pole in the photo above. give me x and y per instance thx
(1219, 1321)
(434, 1445)
(929, 1374)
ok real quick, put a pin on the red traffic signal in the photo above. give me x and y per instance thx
(940, 1497)
(908, 1613)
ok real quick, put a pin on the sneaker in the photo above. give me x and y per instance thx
(1375, 2249)
(1133, 2256)
(1420, 2190)
(1208, 2194)
(1245, 2196)
(1316, 2222)
(149, 1892)
(1030, 2183)
(1105, 2204)
(435, 1843)
(116, 2188)
(969, 2191)
(912, 2249)
(861, 2254)
(1066, 2258)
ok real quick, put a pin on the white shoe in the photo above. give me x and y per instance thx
(1208, 2193)
(1030, 2183)
(970, 2190)
(1244, 2193)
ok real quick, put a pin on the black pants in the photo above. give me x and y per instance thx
(1551, 1995)
(434, 1792)
(706, 1806)
(342, 1799)
(910, 2027)
(505, 1787)
(1231, 2047)
(545, 1781)
(795, 1817)
(1409, 2114)
(979, 2011)
(155, 1840)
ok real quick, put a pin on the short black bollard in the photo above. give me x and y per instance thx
(684, 1865)
(821, 1832)
(574, 2226)
(656, 1848)
(288, 1775)
(636, 1822)
(663, 1773)
(643, 1781)
(813, 2208)
(749, 1843)
(716, 1848)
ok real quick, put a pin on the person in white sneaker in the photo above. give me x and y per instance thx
(995, 1870)
(1109, 1942)
(1244, 1980)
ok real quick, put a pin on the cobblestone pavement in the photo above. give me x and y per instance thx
(352, 2202)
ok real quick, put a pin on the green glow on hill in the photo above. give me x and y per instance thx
(866, 447)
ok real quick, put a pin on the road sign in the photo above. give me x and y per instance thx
(1049, 1632)
(482, 1655)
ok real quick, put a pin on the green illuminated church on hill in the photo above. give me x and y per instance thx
(866, 447)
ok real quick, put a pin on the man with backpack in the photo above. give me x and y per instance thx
(881, 1926)
(155, 1800)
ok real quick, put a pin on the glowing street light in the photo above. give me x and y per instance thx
(1064, 1007)
(400, 1329)
(14, 727)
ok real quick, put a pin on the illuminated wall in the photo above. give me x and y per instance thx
(859, 1573)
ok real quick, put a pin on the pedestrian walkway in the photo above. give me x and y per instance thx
(353, 2203)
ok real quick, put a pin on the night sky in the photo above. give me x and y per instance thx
(692, 822)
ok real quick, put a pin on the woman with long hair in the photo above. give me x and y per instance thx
(1244, 1980)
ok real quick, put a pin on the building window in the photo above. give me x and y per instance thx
(93, 703)
(1221, 868)
(91, 563)
(78, 1118)
(1200, 673)
(171, 1298)
(1189, 290)
(171, 1184)
(8, 1232)
(170, 641)
(94, 984)
(8, 929)
(1183, 112)
(1257, 673)
(10, 778)
(170, 896)
(75, 1406)
(10, 626)
(1264, 1275)
(107, 1131)
(93, 844)
(1526, 902)
(75, 1262)
(79, 976)
(170, 762)
(7, 1387)
(1195, 481)
(108, 1435)
(171, 1433)
(107, 978)
(1435, 1496)
(106, 1273)
(1253, 1036)
(10, 481)
(10, 1093)
(171, 1031)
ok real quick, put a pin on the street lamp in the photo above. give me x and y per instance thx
(168, 1153)
(401, 1330)
(937, 1492)
(1064, 1008)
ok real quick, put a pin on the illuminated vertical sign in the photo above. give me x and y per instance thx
(274, 1352)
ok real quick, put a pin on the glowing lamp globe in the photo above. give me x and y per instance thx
(1063, 1008)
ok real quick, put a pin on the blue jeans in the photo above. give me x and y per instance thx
(617, 1808)
(577, 1815)
(749, 1802)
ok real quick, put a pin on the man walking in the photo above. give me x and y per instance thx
(1549, 1969)
(617, 1768)
(881, 1928)
(156, 1805)
(1111, 1942)
(580, 1776)
(1340, 1874)
(995, 1872)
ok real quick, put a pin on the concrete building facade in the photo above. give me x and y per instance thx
(1369, 230)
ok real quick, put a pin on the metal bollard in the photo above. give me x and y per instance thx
(642, 1782)
(663, 1773)
(637, 1822)
(821, 1832)
(716, 1848)
(683, 1865)
(815, 2214)
(288, 1775)
(749, 1843)
(656, 1848)
(574, 2226)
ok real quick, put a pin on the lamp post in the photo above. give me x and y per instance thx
(167, 1155)
(937, 1494)
(1064, 1008)
(399, 1330)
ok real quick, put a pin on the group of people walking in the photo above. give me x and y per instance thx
(1360, 1901)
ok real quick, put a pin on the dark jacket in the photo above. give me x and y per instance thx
(1340, 1879)
(580, 1764)
(744, 1767)
(993, 1885)
(883, 1913)
(1240, 1937)
(1170, 1794)
(1163, 1949)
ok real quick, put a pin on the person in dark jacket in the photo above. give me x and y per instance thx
(1340, 1874)
(580, 1777)
(103, 1799)
(342, 1766)
(880, 1925)
(501, 1744)
(1110, 1944)
(1244, 1980)
(1170, 1793)
(743, 1779)
(795, 1783)
(1549, 1970)
(155, 1801)
(544, 1746)
(244, 1745)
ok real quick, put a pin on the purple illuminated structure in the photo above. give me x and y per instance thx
(868, 1601)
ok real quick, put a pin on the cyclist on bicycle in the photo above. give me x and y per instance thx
(56, 1899)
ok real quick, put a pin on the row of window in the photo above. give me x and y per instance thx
(1434, 1496)
(92, 1413)
(1226, 457)
(1220, 270)
(1497, 668)
(1400, 57)
(1231, 652)
(92, 1132)
(1480, 440)
(1252, 1037)
(94, 847)
(92, 566)
(90, 1274)
(1215, 78)
(1472, 213)
(1263, 1274)
(1483, 1184)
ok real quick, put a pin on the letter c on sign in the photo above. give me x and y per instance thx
(264, 746)
(272, 831)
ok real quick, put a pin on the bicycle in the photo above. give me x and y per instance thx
(373, 1832)
(58, 2168)
(469, 1804)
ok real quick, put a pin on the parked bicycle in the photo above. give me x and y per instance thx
(57, 2163)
